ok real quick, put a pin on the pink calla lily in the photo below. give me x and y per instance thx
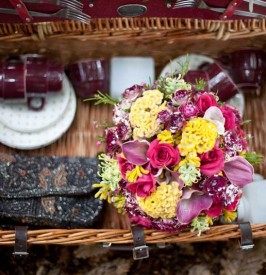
(191, 204)
(135, 151)
(239, 171)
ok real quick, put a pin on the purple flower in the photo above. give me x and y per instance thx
(180, 97)
(120, 114)
(189, 110)
(233, 143)
(112, 146)
(123, 131)
(132, 93)
(191, 204)
(176, 122)
(215, 187)
(163, 117)
(239, 171)
(232, 192)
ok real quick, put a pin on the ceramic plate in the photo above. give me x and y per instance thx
(19, 117)
(195, 60)
(28, 141)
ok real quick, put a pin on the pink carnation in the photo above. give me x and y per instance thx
(189, 110)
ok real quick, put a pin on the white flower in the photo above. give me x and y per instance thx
(215, 115)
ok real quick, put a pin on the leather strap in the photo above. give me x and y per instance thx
(21, 237)
(22, 11)
(140, 249)
(246, 241)
(229, 12)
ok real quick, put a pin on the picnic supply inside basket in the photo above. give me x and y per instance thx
(164, 39)
(15, 11)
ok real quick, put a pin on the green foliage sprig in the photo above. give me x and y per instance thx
(101, 98)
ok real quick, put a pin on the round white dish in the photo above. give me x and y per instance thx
(19, 117)
(195, 60)
(38, 139)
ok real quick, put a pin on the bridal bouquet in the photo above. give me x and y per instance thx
(175, 157)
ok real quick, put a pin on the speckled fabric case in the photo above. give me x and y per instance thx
(49, 191)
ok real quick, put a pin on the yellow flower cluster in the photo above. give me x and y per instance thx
(191, 158)
(144, 112)
(199, 135)
(162, 202)
(136, 173)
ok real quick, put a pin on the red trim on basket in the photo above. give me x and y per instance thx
(22, 11)
(233, 5)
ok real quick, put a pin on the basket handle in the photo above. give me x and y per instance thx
(230, 10)
(22, 11)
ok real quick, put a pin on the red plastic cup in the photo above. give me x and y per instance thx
(192, 76)
(246, 66)
(13, 81)
(220, 81)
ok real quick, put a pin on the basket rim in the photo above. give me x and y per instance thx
(124, 236)
(143, 27)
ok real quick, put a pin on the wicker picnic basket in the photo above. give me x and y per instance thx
(162, 38)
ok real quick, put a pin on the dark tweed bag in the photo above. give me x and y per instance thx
(47, 191)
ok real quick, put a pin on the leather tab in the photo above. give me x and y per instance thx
(246, 241)
(22, 11)
(229, 12)
(140, 249)
(21, 237)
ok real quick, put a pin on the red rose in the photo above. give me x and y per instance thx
(230, 118)
(162, 154)
(212, 162)
(205, 101)
(143, 187)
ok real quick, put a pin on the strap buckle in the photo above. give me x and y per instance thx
(140, 252)
(140, 249)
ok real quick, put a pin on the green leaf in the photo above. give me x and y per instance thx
(101, 98)
(254, 158)
(200, 84)
(185, 66)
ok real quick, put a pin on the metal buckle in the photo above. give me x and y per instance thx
(246, 240)
(20, 253)
(140, 252)
(20, 248)
(247, 246)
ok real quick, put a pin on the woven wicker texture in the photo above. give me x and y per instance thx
(164, 39)
(88, 236)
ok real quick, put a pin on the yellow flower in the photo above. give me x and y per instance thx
(119, 202)
(229, 216)
(199, 135)
(144, 112)
(162, 202)
(166, 137)
(136, 173)
(103, 192)
(191, 158)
